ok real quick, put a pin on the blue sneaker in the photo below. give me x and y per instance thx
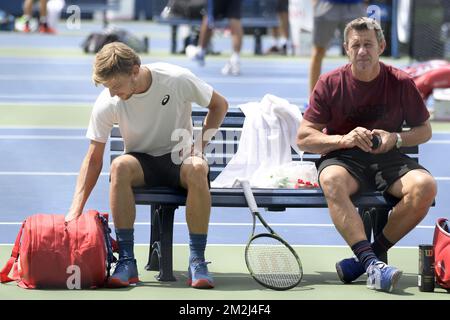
(349, 270)
(124, 274)
(199, 276)
(382, 277)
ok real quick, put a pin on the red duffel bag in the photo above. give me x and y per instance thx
(441, 246)
(50, 253)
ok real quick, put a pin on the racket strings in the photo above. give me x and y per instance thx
(272, 263)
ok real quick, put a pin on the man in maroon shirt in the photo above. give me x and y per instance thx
(348, 108)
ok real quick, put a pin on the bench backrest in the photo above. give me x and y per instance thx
(226, 141)
(249, 8)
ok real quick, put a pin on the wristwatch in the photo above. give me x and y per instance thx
(399, 142)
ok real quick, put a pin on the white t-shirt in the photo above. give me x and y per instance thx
(149, 121)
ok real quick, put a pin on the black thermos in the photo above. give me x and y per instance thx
(426, 268)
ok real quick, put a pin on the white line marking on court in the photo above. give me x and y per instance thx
(42, 173)
(50, 97)
(244, 244)
(229, 224)
(52, 100)
(87, 79)
(40, 137)
(50, 173)
(438, 142)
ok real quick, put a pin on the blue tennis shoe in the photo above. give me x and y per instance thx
(349, 270)
(382, 277)
(199, 276)
(124, 274)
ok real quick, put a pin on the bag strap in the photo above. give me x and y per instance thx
(14, 256)
(109, 249)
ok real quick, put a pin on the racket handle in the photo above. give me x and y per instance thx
(249, 195)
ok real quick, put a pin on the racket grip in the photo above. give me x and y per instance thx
(249, 195)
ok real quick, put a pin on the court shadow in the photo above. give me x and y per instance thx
(408, 280)
(223, 281)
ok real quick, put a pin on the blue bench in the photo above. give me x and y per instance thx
(255, 26)
(372, 206)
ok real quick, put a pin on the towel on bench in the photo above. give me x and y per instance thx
(269, 132)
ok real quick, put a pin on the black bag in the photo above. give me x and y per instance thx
(188, 9)
(96, 40)
(6, 21)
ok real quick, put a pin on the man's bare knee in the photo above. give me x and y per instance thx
(196, 174)
(423, 190)
(123, 170)
(336, 183)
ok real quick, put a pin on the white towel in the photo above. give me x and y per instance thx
(269, 132)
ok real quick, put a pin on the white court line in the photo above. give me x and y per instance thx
(71, 137)
(244, 244)
(238, 224)
(54, 99)
(87, 79)
(50, 97)
(42, 173)
(40, 137)
(49, 173)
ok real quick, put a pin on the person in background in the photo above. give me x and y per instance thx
(216, 10)
(281, 33)
(328, 16)
(28, 14)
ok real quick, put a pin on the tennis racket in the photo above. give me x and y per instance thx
(270, 260)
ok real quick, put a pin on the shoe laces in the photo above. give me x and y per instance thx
(122, 263)
(200, 266)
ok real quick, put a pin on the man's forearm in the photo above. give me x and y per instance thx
(320, 143)
(417, 135)
(213, 120)
(87, 178)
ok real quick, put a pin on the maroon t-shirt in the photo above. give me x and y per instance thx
(343, 103)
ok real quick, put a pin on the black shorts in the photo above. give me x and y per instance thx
(372, 171)
(282, 6)
(160, 171)
(230, 9)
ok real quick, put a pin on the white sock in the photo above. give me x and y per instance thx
(235, 57)
(201, 51)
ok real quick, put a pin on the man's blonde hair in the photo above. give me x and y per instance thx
(364, 23)
(114, 59)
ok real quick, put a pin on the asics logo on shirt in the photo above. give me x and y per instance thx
(165, 100)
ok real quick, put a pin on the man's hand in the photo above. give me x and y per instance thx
(359, 137)
(71, 216)
(388, 141)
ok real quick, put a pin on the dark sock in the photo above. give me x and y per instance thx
(364, 253)
(197, 245)
(381, 245)
(125, 241)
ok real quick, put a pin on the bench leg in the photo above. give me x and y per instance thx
(161, 239)
(367, 221)
(173, 45)
(374, 221)
(258, 41)
(154, 248)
